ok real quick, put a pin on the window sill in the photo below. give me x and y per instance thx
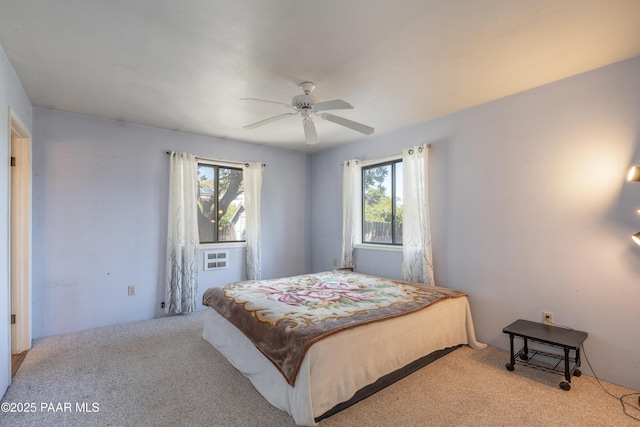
(386, 248)
(223, 245)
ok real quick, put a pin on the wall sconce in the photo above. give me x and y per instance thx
(634, 174)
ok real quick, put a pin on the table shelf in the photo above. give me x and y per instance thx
(533, 360)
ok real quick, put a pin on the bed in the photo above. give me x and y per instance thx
(316, 343)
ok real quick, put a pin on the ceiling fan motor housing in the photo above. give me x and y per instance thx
(304, 102)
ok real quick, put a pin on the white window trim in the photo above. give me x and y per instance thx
(223, 163)
(384, 159)
(223, 245)
(379, 247)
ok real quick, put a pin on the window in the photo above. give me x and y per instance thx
(382, 203)
(221, 214)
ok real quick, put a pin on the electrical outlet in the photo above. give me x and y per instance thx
(162, 304)
(335, 262)
(132, 290)
(547, 317)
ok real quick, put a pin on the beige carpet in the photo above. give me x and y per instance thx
(162, 373)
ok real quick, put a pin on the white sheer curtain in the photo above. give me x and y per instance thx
(252, 178)
(182, 236)
(351, 208)
(417, 259)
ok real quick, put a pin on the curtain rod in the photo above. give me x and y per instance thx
(386, 156)
(209, 159)
(395, 154)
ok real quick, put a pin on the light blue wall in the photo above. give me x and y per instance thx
(12, 96)
(100, 199)
(530, 210)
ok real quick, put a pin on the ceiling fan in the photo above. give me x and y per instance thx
(307, 105)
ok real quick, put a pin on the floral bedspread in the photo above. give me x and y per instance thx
(284, 317)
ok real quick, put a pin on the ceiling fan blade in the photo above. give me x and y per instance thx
(367, 130)
(269, 120)
(265, 100)
(310, 134)
(336, 104)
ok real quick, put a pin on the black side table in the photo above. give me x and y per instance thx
(567, 339)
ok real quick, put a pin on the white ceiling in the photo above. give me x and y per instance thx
(184, 65)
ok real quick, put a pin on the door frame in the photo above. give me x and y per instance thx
(20, 234)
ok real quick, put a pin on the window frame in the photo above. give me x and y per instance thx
(216, 166)
(370, 164)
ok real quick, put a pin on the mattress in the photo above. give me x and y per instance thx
(336, 367)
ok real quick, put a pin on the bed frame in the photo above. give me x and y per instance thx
(387, 380)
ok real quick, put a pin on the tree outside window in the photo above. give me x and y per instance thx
(221, 215)
(382, 203)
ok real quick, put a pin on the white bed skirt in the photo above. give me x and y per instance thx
(335, 368)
